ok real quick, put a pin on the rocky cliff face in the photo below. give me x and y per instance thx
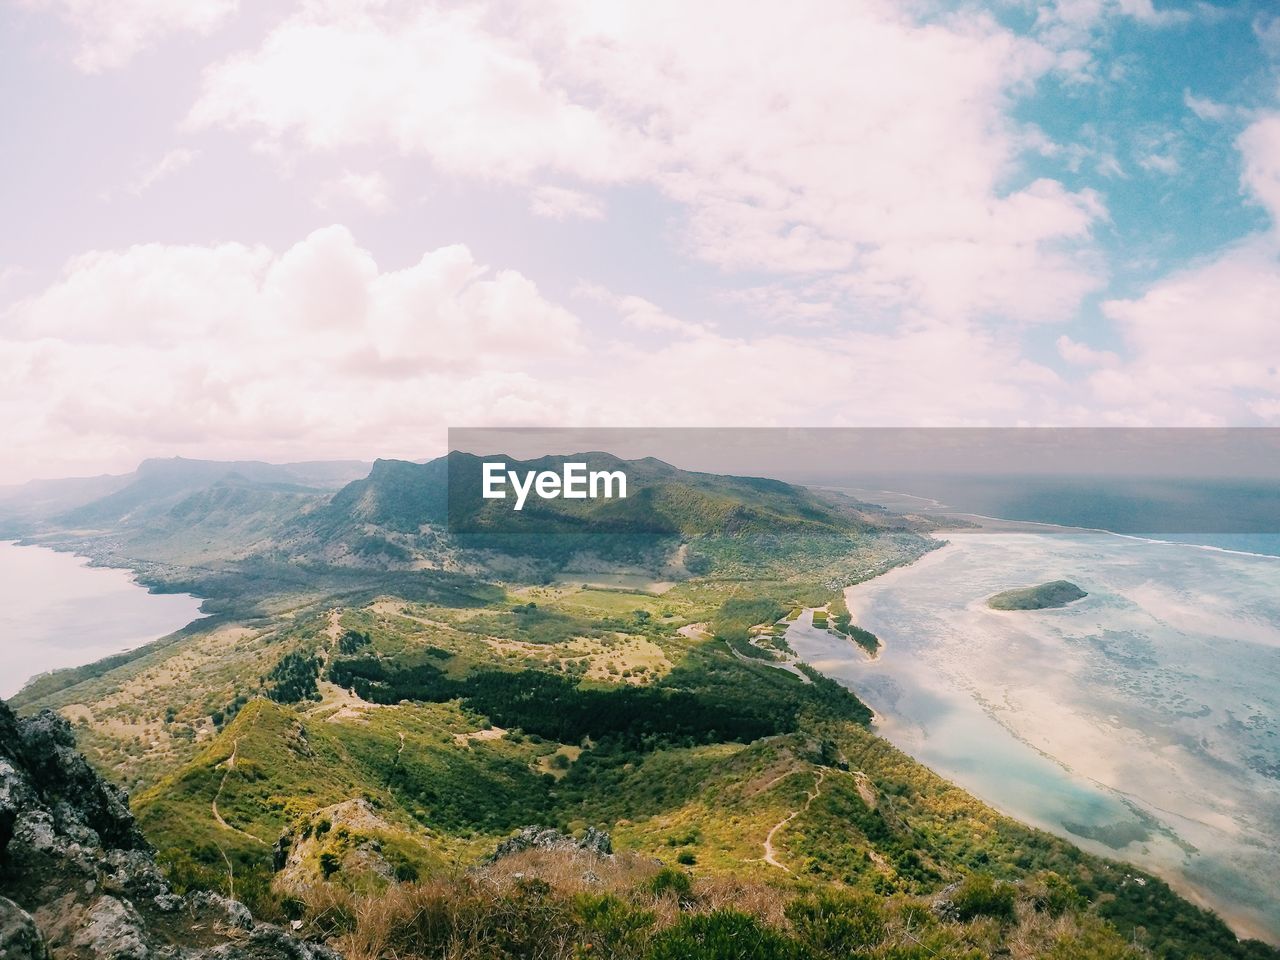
(78, 881)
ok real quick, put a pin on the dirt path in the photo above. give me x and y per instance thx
(333, 630)
(787, 665)
(230, 764)
(769, 853)
(699, 631)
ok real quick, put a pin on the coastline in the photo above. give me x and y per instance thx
(78, 596)
(1240, 923)
(1072, 726)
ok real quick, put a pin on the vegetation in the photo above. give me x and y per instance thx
(390, 720)
(538, 905)
(293, 678)
(839, 610)
(842, 622)
(867, 640)
(1056, 593)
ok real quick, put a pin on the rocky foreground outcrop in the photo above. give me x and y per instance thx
(78, 881)
(594, 841)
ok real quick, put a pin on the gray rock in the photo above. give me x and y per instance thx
(269, 943)
(134, 873)
(597, 841)
(167, 902)
(236, 914)
(114, 931)
(594, 841)
(34, 832)
(70, 850)
(19, 938)
(15, 796)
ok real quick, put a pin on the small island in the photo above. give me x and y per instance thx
(841, 624)
(1056, 593)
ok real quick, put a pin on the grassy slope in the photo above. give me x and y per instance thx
(841, 807)
(880, 822)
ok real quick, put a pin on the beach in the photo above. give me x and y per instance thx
(1141, 722)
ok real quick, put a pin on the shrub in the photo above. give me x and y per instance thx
(1093, 940)
(669, 880)
(723, 935)
(838, 924)
(353, 640)
(686, 857)
(612, 926)
(982, 896)
(1053, 894)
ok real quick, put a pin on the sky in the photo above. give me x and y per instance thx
(335, 228)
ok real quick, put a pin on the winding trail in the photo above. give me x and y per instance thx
(788, 664)
(769, 853)
(230, 764)
(699, 631)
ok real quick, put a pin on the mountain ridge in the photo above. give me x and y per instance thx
(383, 720)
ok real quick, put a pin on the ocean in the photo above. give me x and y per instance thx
(57, 611)
(1142, 722)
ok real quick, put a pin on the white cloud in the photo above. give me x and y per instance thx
(428, 82)
(368, 191)
(233, 351)
(225, 348)
(825, 163)
(112, 32)
(1202, 344)
(1069, 23)
(9, 276)
(1083, 355)
(1109, 166)
(1260, 147)
(560, 203)
(637, 312)
(174, 160)
(1208, 109)
(1162, 163)
(1267, 29)
(1266, 409)
(1145, 11)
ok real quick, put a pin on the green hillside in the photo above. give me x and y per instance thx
(353, 734)
(250, 531)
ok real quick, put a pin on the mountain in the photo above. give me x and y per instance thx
(158, 484)
(24, 504)
(396, 495)
(433, 515)
(416, 731)
(207, 527)
(140, 498)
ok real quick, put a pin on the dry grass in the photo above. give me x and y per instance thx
(566, 905)
(525, 904)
